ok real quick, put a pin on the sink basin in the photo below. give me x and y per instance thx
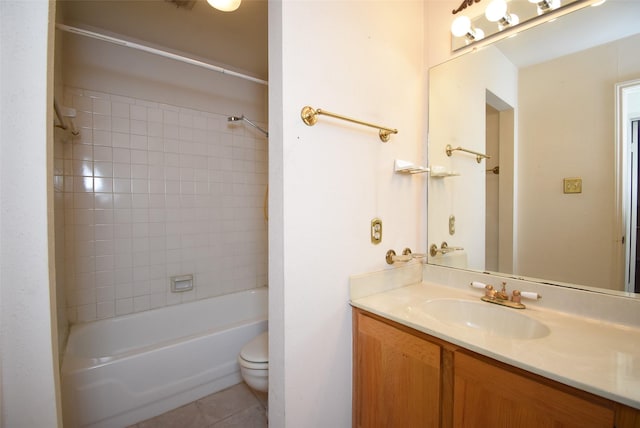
(485, 317)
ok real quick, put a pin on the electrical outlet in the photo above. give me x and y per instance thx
(376, 231)
(452, 225)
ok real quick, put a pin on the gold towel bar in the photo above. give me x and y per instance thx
(309, 116)
(479, 156)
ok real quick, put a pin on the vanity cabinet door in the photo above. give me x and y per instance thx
(396, 377)
(626, 417)
(486, 395)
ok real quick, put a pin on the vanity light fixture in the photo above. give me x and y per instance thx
(225, 5)
(497, 12)
(494, 21)
(545, 6)
(461, 27)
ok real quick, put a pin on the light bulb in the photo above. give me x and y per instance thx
(460, 26)
(545, 6)
(225, 5)
(496, 10)
(509, 20)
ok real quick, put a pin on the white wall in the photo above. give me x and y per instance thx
(566, 233)
(328, 181)
(28, 343)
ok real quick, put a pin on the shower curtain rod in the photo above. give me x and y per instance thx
(159, 52)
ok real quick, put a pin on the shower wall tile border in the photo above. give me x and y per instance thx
(150, 191)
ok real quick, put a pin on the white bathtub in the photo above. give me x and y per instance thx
(119, 371)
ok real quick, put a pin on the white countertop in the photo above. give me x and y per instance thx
(593, 355)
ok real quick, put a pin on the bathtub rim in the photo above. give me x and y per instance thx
(72, 362)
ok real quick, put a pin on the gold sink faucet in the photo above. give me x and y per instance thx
(491, 295)
(502, 294)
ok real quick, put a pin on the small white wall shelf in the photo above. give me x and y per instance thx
(438, 171)
(444, 174)
(405, 167)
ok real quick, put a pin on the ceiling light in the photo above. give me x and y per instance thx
(225, 5)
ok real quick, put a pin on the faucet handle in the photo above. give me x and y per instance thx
(478, 284)
(490, 291)
(530, 295)
(518, 295)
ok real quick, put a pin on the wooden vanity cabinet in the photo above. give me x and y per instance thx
(489, 394)
(405, 378)
(396, 378)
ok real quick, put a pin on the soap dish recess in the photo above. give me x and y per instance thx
(405, 167)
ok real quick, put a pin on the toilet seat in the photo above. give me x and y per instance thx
(252, 366)
(254, 363)
(256, 352)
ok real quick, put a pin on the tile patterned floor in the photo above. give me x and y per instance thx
(237, 406)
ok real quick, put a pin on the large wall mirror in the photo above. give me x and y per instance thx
(557, 109)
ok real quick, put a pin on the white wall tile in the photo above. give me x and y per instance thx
(154, 114)
(139, 142)
(138, 127)
(124, 306)
(103, 231)
(120, 139)
(102, 169)
(86, 312)
(105, 294)
(102, 153)
(105, 309)
(122, 185)
(154, 191)
(101, 122)
(120, 125)
(103, 185)
(156, 300)
(104, 279)
(102, 138)
(138, 112)
(101, 106)
(123, 291)
(119, 109)
(122, 170)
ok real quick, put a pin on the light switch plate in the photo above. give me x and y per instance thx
(573, 185)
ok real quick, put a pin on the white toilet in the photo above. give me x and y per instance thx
(254, 362)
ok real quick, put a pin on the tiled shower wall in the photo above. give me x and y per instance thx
(152, 191)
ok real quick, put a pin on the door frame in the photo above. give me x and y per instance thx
(625, 194)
